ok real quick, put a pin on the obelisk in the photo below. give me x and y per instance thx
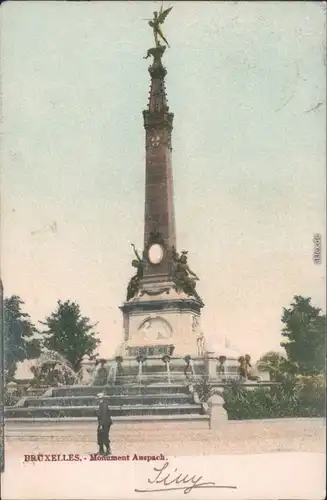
(159, 221)
(162, 310)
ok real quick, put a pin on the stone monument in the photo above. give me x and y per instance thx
(164, 354)
(161, 315)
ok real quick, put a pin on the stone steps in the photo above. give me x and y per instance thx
(113, 400)
(130, 400)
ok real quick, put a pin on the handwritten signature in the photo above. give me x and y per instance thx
(173, 480)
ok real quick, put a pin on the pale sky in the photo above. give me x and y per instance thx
(248, 156)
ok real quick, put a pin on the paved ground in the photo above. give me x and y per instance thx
(262, 459)
(171, 439)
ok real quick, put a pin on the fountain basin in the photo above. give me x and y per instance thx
(112, 400)
(145, 387)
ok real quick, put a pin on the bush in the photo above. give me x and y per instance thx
(9, 398)
(292, 398)
(311, 394)
(203, 389)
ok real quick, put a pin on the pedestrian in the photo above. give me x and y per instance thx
(104, 424)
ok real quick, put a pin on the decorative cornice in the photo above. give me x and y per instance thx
(152, 293)
(159, 119)
(191, 305)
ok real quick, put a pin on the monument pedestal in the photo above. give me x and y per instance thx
(161, 323)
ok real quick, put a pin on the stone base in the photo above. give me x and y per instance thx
(160, 319)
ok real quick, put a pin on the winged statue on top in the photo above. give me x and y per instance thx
(156, 24)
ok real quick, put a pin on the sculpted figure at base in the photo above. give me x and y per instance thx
(134, 283)
(245, 368)
(250, 374)
(185, 279)
(222, 365)
(201, 344)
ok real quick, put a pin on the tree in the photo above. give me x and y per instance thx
(274, 363)
(305, 334)
(69, 333)
(19, 336)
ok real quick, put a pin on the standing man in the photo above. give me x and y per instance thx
(104, 424)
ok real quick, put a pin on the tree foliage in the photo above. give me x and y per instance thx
(305, 336)
(274, 363)
(302, 388)
(69, 333)
(19, 336)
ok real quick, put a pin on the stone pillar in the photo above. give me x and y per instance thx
(212, 366)
(218, 414)
(87, 368)
(226, 366)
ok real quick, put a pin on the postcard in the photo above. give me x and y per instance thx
(163, 237)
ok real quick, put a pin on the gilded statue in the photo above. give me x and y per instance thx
(156, 24)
